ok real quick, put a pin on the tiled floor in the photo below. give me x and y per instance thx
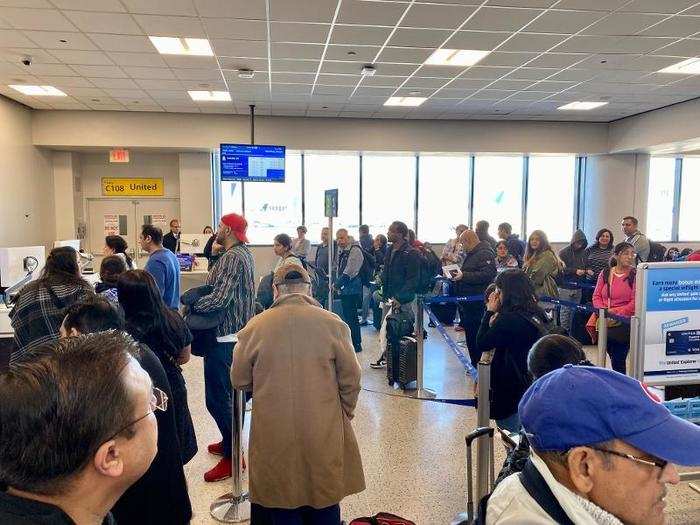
(413, 451)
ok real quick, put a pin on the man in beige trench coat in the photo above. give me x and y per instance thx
(299, 361)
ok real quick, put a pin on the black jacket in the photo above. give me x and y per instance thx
(401, 274)
(171, 242)
(516, 247)
(574, 259)
(478, 270)
(512, 336)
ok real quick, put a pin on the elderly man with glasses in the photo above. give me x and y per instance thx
(603, 452)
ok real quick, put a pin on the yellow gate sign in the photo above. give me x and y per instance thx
(132, 187)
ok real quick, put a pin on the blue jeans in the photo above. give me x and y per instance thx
(260, 515)
(510, 423)
(217, 389)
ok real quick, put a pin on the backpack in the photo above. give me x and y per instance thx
(430, 267)
(656, 252)
(368, 264)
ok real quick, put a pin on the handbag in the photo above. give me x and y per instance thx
(617, 331)
(382, 518)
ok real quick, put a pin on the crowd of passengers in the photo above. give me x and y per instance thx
(95, 423)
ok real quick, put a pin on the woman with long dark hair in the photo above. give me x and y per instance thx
(542, 265)
(599, 253)
(40, 308)
(116, 245)
(282, 247)
(615, 291)
(510, 326)
(151, 322)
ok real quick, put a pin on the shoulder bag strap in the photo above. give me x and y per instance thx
(537, 487)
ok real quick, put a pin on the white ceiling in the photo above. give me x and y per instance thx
(545, 53)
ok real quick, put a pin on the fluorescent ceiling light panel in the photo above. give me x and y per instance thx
(456, 57)
(39, 91)
(210, 96)
(405, 101)
(581, 106)
(687, 67)
(167, 45)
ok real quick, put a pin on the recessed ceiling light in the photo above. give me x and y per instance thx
(581, 106)
(687, 67)
(39, 91)
(167, 45)
(210, 96)
(455, 57)
(405, 101)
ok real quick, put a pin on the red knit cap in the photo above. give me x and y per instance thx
(238, 225)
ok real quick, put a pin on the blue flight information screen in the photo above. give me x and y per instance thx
(252, 163)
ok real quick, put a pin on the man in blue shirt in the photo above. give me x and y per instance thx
(162, 264)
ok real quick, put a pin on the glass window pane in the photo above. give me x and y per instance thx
(550, 196)
(443, 196)
(272, 208)
(660, 198)
(388, 191)
(327, 172)
(689, 225)
(498, 191)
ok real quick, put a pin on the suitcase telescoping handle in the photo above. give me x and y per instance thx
(471, 437)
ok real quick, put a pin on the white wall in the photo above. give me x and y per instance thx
(64, 194)
(26, 185)
(196, 201)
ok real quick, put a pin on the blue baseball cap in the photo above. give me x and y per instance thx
(582, 405)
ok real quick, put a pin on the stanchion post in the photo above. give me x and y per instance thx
(483, 449)
(602, 337)
(330, 264)
(421, 392)
(636, 360)
(234, 507)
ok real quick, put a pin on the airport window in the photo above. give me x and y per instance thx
(498, 190)
(272, 208)
(660, 198)
(443, 196)
(388, 191)
(324, 172)
(689, 216)
(550, 196)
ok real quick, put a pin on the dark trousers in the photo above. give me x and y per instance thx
(617, 351)
(217, 389)
(260, 515)
(470, 314)
(349, 314)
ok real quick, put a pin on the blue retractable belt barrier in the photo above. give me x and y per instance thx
(453, 299)
(583, 308)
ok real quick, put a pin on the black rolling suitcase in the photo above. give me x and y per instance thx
(578, 327)
(445, 312)
(401, 362)
(399, 325)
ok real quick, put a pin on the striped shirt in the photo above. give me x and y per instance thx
(597, 259)
(234, 290)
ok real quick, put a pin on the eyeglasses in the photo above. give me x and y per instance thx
(159, 401)
(650, 462)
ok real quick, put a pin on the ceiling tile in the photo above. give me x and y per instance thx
(250, 9)
(302, 10)
(360, 54)
(298, 66)
(301, 89)
(134, 94)
(421, 82)
(551, 86)
(338, 80)
(36, 19)
(100, 71)
(117, 83)
(589, 44)
(574, 74)
(641, 44)
(239, 48)
(67, 82)
(182, 26)
(467, 84)
(184, 61)
(384, 68)
(527, 96)
(419, 37)
(241, 29)
(511, 85)
(388, 81)
(678, 26)
(485, 72)
(148, 72)
(293, 78)
(368, 35)
(491, 94)
(85, 92)
(113, 6)
(484, 40)
(52, 70)
(159, 84)
(52, 40)
(438, 71)
(161, 7)
(650, 63)
(374, 91)
(507, 59)
(683, 48)
(15, 55)
(532, 73)
(531, 42)
(299, 32)
(404, 55)
(436, 16)
(370, 13)
(592, 5)
(138, 59)
(350, 68)
(256, 64)
(623, 24)
(114, 23)
(94, 58)
(297, 51)
(197, 74)
(654, 6)
(501, 19)
(178, 96)
(343, 91)
(557, 59)
(568, 22)
(126, 43)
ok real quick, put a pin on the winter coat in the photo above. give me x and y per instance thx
(401, 274)
(516, 247)
(478, 270)
(543, 269)
(574, 259)
(300, 364)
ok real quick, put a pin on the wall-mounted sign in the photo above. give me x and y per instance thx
(119, 155)
(330, 202)
(132, 187)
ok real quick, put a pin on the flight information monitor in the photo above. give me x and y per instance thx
(252, 163)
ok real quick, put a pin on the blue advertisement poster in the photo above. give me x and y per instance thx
(672, 320)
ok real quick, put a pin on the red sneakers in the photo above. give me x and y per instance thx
(222, 470)
(216, 448)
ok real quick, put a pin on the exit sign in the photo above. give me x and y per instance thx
(119, 155)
